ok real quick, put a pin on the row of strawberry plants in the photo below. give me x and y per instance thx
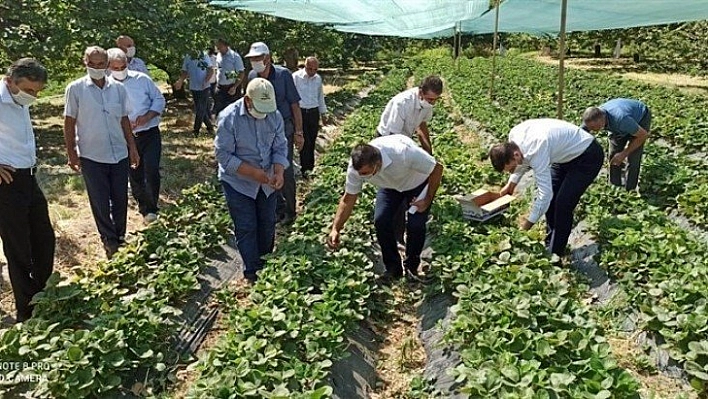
(659, 264)
(519, 324)
(528, 89)
(284, 342)
(95, 332)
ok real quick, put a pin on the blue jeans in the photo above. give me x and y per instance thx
(254, 225)
(388, 203)
(634, 161)
(107, 187)
(145, 179)
(570, 180)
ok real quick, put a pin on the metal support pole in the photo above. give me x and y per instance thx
(561, 58)
(494, 49)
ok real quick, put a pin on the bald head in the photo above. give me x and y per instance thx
(311, 66)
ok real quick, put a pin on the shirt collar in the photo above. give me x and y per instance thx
(5, 95)
(89, 82)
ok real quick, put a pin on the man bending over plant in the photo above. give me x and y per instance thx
(565, 159)
(404, 173)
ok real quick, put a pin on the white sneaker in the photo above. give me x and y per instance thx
(149, 218)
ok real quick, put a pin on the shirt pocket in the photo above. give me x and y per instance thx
(115, 110)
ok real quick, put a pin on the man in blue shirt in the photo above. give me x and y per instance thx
(629, 123)
(287, 100)
(230, 75)
(145, 106)
(198, 70)
(252, 153)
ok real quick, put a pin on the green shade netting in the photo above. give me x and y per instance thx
(437, 18)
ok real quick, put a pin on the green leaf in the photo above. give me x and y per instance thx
(75, 353)
(322, 392)
(561, 379)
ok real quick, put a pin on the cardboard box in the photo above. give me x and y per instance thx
(483, 205)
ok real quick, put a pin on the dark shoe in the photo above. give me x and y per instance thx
(195, 133)
(414, 276)
(250, 277)
(110, 249)
(389, 278)
(286, 219)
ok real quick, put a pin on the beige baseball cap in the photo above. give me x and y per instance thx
(258, 48)
(262, 94)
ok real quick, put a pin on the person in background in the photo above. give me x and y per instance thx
(287, 99)
(252, 153)
(404, 173)
(99, 144)
(145, 106)
(198, 69)
(212, 81)
(408, 113)
(25, 229)
(629, 123)
(230, 75)
(565, 160)
(312, 105)
(127, 44)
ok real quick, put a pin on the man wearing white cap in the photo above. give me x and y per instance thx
(287, 101)
(252, 153)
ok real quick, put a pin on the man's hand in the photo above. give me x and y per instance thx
(141, 121)
(73, 161)
(178, 84)
(421, 204)
(525, 224)
(261, 176)
(276, 182)
(618, 159)
(232, 90)
(299, 140)
(134, 158)
(6, 174)
(333, 239)
(507, 189)
(324, 119)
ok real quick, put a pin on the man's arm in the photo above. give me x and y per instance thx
(70, 143)
(132, 149)
(434, 180)
(182, 77)
(637, 141)
(344, 210)
(424, 137)
(297, 121)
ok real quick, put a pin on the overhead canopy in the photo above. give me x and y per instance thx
(437, 18)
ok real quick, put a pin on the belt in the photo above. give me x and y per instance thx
(226, 86)
(308, 110)
(26, 171)
(154, 129)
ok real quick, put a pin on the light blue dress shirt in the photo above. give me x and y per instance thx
(143, 96)
(241, 138)
(229, 62)
(197, 70)
(98, 112)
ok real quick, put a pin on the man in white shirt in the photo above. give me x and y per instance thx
(403, 172)
(99, 144)
(410, 111)
(127, 44)
(312, 106)
(25, 229)
(565, 160)
(145, 106)
(229, 76)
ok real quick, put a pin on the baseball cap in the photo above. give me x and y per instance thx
(257, 48)
(262, 94)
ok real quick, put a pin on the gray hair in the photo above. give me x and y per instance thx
(94, 49)
(312, 59)
(116, 54)
(27, 68)
(593, 114)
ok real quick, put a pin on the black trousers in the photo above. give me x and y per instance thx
(201, 110)
(287, 203)
(310, 127)
(222, 98)
(570, 180)
(145, 179)
(27, 237)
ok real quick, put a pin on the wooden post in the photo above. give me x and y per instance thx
(494, 50)
(561, 58)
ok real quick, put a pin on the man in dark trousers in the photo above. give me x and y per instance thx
(565, 160)
(629, 123)
(287, 99)
(26, 232)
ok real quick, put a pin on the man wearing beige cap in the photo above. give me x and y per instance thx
(287, 100)
(252, 153)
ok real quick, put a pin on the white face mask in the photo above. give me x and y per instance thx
(120, 75)
(23, 98)
(258, 66)
(96, 74)
(130, 51)
(425, 104)
(256, 114)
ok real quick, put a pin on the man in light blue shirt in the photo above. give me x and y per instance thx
(99, 142)
(145, 105)
(230, 75)
(629, 123)
(199, 70)
(127, 44)
(252, 151)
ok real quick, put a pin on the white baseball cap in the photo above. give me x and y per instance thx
(262, 94)
(258, 48)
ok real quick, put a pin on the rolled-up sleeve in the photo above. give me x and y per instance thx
(280, 143)
(354, 181)
(519, 172)
(225, 146)
(157, 99)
